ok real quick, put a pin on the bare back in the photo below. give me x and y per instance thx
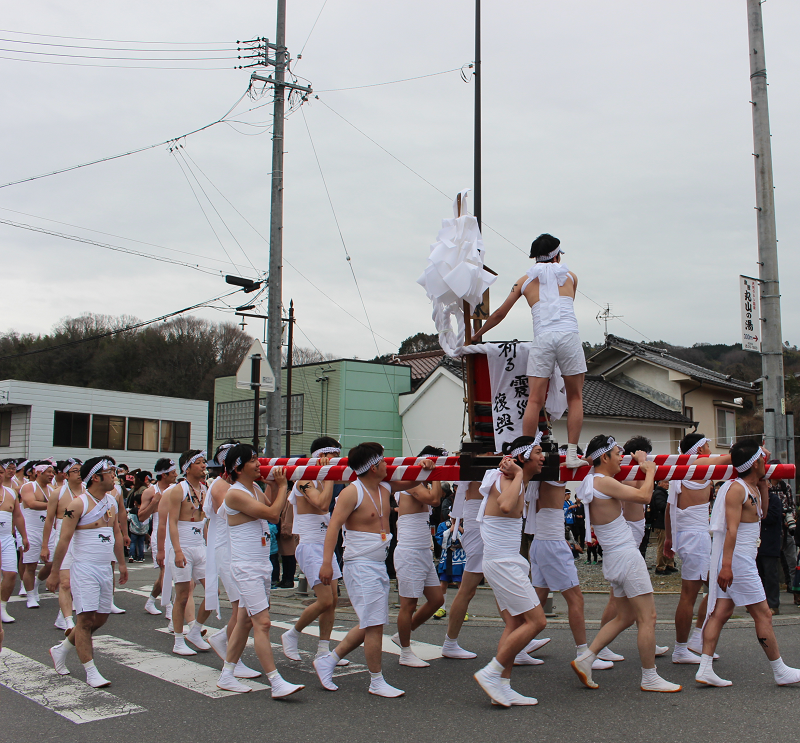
(531, 292)
(550, 496)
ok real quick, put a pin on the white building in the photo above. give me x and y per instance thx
(43, 420)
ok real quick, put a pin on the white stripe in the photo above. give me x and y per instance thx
(167, 667)
(66, 696)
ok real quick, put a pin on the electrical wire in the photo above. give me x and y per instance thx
(106, 41)
(300, 54)
(119, 59)
(115, 48)
(115, 66)
(391, 82)
(126, 329)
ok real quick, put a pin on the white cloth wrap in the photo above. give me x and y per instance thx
(193, 546)
(550, 308)
(154, 538)
(623, 565)
(471, 539)
(747, 587)
(365, 545)
(218, 555)
(8, 547)
(91, 584)
(566, 322)
(503, 566)
(95, 546)
(309, 558)
(415, 571)
(550, 524)
(673, 495)
(414, 531)
(251, 567)
(586, 493)
(311, 527)
(637, 530)
(457, 511)
(367, 584)
(246, 544)
(552, 564)
(531, 498)
(34, 526)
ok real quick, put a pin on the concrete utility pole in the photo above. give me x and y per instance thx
(274, 323)
(775, 433)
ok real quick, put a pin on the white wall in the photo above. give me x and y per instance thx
(433, 414)
(621, 430)
(42, 400)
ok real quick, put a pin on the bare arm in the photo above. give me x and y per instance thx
(763, 488)
(71, 517)
(19, 523)
(149, 505)
(119, 553)
(320, 499)
(499, 314)
(432, 497)
(621, 491)
(27, 495)
(122, 519)
(668, 551)
(52, 509)
(398, 485)
(733, 515)
(174, 498)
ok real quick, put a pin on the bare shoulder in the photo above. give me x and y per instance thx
(735, 495)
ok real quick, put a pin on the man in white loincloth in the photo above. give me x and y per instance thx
(733, 580)
(413, 561)
(248, 510)
(549, 288)
(91, 531)
(311, 501)
(686, 527)
(363, 508)
(623, 565)
(10, 518)
(34, 496)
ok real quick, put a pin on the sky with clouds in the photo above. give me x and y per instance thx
(622, 127)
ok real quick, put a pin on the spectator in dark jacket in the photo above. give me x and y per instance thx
(658, 508)
(768, 559)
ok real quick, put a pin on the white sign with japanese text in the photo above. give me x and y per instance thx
(751, 314)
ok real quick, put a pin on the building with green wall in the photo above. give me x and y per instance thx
(351, 400)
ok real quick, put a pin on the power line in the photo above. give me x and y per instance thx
(119, 59)
(392, 82)
(300, 54)
(108, 41)
(114, 66)
(114, 48)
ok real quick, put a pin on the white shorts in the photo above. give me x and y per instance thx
(8, 553)
(552, 565)
(92, 587)
(225, 576)
(549, 349)
(415, 571)
(367, 584)
(195, 569)
(31, 557)
(254, 579)
(626, 571)
(508, 577)
(694, 549)
(472, 542)
(309, 558)
(55, 533)
(747, 588)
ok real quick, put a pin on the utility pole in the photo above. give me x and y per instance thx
(289, 363)
(255, 385)
(775, 433)
(476, 179)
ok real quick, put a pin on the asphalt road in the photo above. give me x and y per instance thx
(441, 702)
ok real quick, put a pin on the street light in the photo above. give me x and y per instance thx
(247, 284)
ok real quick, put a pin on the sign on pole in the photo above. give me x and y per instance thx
(243, 380)
(751, 313)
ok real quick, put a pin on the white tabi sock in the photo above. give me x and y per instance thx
(323, 646)
(494, 666)
(273, 675)
(783, 673)
(335, 656)
(89, 666)
(229, 667)
(681, 645)
(376, 676)
(696, 637)
(579, 649)
(36, 584)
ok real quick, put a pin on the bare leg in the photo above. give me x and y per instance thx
(7, 585)
(45, 571)
(610, 611)
(182, 598)
(81, 636)
(233, 620)
(573, 386)
(537, 391)
(239, 635)
(623, 619)
(158, 585)
(351, 641)
(458, 609)
(28, 575)
(263, 648)
(326, 601)
(404, 619)
(435, 600)
(723, 611)
(64, 593)
(202, 612)
(685, 610)
(577, 624)
(373, 647)
(701, 612)
(762, 617)
(519, 631)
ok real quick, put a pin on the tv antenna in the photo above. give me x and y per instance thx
(604, 316)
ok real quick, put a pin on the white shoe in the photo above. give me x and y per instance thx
(114, 610)
(70, 622)
(194, 635)
(60, 622)
(324, 666)
(150, 606)
(343, 662)
(787, 675)
(290, 648)
(583, 667)
(409, 658)
(608, 654)
(170, 626)
(661, 650)
(517, 699)
(396, 639)
(534, 645)
(574, 462)
(451, 649)
(59, 655)
(22, 590)
(659, 684)
(682, 655)
(492, 684)
(95, 679)
(168, 612)
(709, 678)
(245, 672)
(380, 688)
(698, 646)
(181, 648)
(228, 682)
(282, 688)
(523, 659)
(598, 664)
(218, 642)
(33, 600)
(5, 617)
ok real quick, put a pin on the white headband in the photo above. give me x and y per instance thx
(750, 462)
(552, 254)
(199, 455)
(597, 453)
(377, 459)
(69, 465)
(39, 468)
(325, 450)
(696, 447)
(527, 448)
(103, 464)
(238, 462)
(172, 468)
(219, 460)
(21, 465)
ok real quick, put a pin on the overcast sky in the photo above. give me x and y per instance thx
(622, 127)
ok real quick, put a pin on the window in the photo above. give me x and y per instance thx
(71, 429)
(726, 427)
(5, 428)
(175, 436)
(688, 411)
(296, 421)
(108, 432)
(142, 434)
(235, 420)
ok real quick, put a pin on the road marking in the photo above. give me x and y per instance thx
(146, 594)
(167, 667)
(66, 696)
(42, 596)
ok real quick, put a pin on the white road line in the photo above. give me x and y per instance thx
(42, 596)
(167, 667)
(146, 594)
(66, 696)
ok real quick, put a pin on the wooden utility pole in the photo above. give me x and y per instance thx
(289, 364)
(775, 433)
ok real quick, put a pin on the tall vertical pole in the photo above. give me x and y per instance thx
(289, 381)
(771, 336)
(255, 385)
(476, 202)
(274, 326)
